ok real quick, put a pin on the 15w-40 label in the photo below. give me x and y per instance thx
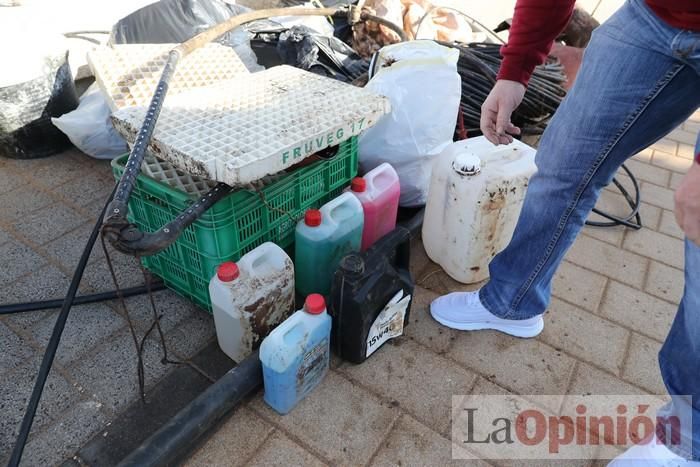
(389, 322)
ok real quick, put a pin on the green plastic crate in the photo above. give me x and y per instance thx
(236, 224)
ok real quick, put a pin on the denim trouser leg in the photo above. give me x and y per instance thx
(640, 78)
(679, 359)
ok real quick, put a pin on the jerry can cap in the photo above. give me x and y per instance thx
(353, 264)
(358, 185)
(312, 218)
(315, 304)
(228, 271)
(467, 164)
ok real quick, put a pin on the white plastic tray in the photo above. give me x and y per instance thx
(165, 172)
(128, 73)
(241, 130)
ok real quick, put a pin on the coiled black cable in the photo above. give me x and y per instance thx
(633, 203)
(478, 66)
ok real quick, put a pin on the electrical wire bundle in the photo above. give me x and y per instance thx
(478, 65)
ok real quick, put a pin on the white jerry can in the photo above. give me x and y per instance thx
(250, 298)
(474, 200)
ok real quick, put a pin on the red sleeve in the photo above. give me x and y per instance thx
(536, 23)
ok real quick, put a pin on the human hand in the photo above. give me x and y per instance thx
(687, 204)
(496, 110)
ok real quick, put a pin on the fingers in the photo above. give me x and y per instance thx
(692, 231)
(504, 127)
(512, 129)
(488, 123)
(688, 219)
(495, 122)
(497, 109)
(678, 213)
(503, 120)
(690, 224)
(687, 204)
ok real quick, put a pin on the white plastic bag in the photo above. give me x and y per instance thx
(89, 127)
(420, 79)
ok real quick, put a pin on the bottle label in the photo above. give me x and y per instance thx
(313, 365)
(389, 322)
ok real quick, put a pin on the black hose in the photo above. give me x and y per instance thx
(52, 346)
(11, 308)
(173, 440)
(633, 204)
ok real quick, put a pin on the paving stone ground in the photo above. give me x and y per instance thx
(47, 209)
(614, 298)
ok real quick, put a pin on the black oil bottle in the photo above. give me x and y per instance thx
(371, 296)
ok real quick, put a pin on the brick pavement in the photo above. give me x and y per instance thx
(47, 209)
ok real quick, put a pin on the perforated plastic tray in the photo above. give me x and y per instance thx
(165, 172)
(243, 129)
(129, 73)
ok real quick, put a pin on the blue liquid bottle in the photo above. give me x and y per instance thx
(295, 356)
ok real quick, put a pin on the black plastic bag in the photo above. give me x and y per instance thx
(304, 48)
(175, 21)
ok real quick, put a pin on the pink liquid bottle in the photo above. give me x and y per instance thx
(378, 192)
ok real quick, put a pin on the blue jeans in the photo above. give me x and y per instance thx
(640, 78)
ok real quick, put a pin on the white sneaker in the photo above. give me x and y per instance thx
(651, 454)
(464, 311)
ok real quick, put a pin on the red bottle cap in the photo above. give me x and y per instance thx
(227, 271)
(312, 218)
(358, 184)
(315, 304)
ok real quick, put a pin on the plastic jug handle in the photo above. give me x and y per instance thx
(327, 211)
(398, 240)
(253, 258)
(386, 172)
(287, 327)
(338, 203)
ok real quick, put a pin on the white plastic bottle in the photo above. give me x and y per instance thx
(295, 356)
(250, 298)
(474, 201)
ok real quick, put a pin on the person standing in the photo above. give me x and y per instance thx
(639, 79)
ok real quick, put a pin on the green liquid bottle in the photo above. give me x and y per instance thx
(323, 238)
